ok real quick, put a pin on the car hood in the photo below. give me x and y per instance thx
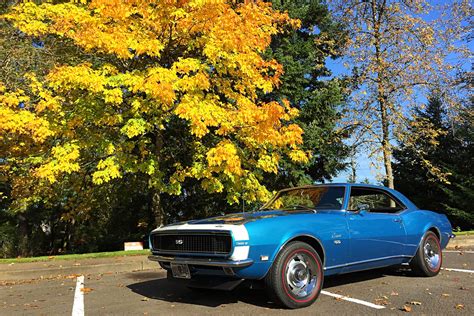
(243, 218)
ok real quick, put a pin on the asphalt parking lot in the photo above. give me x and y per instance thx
(148, 292)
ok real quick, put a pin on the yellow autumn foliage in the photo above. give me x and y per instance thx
(196, 63)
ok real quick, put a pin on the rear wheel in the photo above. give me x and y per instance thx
(296, 277)
(429, 257)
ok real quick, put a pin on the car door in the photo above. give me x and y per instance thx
(377, 234)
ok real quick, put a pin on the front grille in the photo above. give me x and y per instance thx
(192, 242)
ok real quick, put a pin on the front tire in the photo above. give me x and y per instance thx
(296, 277)
(429, 257)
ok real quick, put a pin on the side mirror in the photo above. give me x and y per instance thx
(362, 208)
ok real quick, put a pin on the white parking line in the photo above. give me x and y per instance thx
(458, 270)
(458, 251)
(353, 300)
(78, 306)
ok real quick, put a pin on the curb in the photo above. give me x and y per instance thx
(463, 241)
(22, 271)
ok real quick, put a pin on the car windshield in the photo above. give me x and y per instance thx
(311, 198)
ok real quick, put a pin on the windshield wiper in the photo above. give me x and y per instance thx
(298, 206)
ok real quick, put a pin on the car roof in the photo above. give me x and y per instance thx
(339, 184)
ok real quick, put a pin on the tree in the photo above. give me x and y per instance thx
(307, 84)
(447, 146)
(173, 96)
(460, 191)
(397, 52)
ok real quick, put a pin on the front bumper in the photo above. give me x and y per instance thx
(203, 262)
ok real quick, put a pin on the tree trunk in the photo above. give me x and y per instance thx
(386, 148)
(382, 98)
(157, 208)
(353, 177)
(156, 205)
(23, 229)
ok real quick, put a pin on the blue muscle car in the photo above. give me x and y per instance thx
(302, 235)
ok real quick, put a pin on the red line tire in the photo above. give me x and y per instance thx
(296, 277)
(429, 256)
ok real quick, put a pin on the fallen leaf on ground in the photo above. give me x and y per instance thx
(464, 288)
(445, 295)
(144, 299)
(394, 293)
(86, 290)
(406, 308)
(415, 303)
(459, 306)
(381, 301)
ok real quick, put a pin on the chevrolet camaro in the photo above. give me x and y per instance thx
(302, 235)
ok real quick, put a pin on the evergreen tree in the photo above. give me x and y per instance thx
(308, 85)
(451, 151)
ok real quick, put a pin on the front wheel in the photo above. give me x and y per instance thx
(429, 257)
(296, 277)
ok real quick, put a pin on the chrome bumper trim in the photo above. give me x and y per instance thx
(203, 262)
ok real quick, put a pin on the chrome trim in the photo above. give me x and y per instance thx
(301, 279)
(432, 254)
(365, 261)
(203, 262)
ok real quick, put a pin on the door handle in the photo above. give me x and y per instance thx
(397, 220)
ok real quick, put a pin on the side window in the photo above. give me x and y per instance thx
(377, 200)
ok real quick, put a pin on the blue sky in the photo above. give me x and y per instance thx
(364, 169)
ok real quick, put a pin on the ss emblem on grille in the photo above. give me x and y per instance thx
(179, 241)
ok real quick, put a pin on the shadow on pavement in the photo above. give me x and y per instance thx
(172, 291)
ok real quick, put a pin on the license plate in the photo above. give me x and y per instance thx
(180, 271)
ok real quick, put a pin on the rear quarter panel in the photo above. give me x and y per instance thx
(418, 222)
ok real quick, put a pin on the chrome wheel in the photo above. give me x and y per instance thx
(301, 275)
(432, 254)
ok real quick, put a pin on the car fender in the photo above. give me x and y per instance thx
(290, 237)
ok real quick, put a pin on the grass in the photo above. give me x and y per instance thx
(77, 256)
(468, 232)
